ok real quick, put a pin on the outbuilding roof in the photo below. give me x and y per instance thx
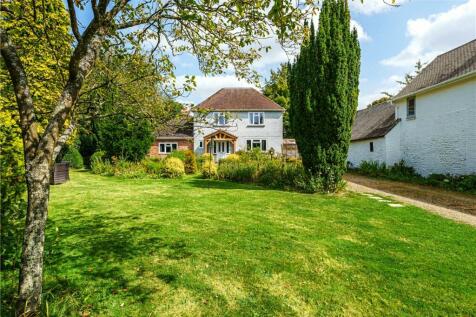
(450, 65)
(178, 128)
(239, 99)
(373, 122)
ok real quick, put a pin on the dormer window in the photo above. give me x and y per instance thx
(220, 118)
(411, 108)
(256, 118)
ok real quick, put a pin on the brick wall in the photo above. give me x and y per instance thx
(182, 144)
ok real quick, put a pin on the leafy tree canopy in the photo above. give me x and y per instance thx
(276, 88)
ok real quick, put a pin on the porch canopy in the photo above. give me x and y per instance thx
(217, 136)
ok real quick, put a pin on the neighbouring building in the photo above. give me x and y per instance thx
(235, 119)
(434, 124)
(177, 134)
(374, 137)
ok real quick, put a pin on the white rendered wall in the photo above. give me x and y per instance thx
(238, 125)
(360, 151)
(442, 137)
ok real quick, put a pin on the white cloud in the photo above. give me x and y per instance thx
(206, 86)
(436, 34)
(389, 85)
(275, 54)
(370, 7)
(363, 36)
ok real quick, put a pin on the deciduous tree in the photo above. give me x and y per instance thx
(276, 88)
(218, 33)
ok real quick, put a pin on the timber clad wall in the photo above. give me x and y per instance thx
(60, 173)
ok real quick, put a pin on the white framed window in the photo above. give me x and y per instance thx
(220, 118)
(411, 108)
(256, 118)
(256, 143)
(166, 148)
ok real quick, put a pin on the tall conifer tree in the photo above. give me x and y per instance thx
(323, 83)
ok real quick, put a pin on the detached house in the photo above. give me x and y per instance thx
(235, 119)
(433, 127)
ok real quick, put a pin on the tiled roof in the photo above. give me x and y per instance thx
(455, 63)
(244, 99)
(181, 127)
(373, 122)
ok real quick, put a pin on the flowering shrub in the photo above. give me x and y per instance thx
(209, 168)
(190, 162)
(173, 167)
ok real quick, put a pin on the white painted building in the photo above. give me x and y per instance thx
(374, 136)
(235, 119)
(435, 119)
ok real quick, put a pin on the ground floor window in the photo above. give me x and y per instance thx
(252, 144)
(167, 147)
(371, 146)
(200, 144)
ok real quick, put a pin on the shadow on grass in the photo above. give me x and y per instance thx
(98, 254)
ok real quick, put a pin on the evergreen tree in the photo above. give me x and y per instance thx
(323, 83)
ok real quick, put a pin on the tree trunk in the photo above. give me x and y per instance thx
(31, 269)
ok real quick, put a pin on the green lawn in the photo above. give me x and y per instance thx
(194, 247)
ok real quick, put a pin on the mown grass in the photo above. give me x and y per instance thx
(195, 247)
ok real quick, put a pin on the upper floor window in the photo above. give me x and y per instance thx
(411, 108)
(220, 118)
(256, 118)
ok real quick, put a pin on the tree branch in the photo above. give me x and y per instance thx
(73, 20)
(26, 109)
(62, 139)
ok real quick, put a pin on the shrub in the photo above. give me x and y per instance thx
(401, 170)
(232, 157)
(237, 171)
(101, 166)
(172, 168)
(373, 168)
(253, 155)
(97, 156)
(124, 137)
(209, 168)
(190, 162)
(74, 158)
(129, 169)
(178, 154)
(152, 166)
(202, 158)
(270, 172)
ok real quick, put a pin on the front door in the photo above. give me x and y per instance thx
(221, 149)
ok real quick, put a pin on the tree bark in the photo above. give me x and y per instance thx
(31, 269)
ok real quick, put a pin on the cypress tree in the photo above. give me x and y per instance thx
(323, 83)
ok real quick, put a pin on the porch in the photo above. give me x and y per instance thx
(220, 144)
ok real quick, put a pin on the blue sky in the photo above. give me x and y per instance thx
(392, 40)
